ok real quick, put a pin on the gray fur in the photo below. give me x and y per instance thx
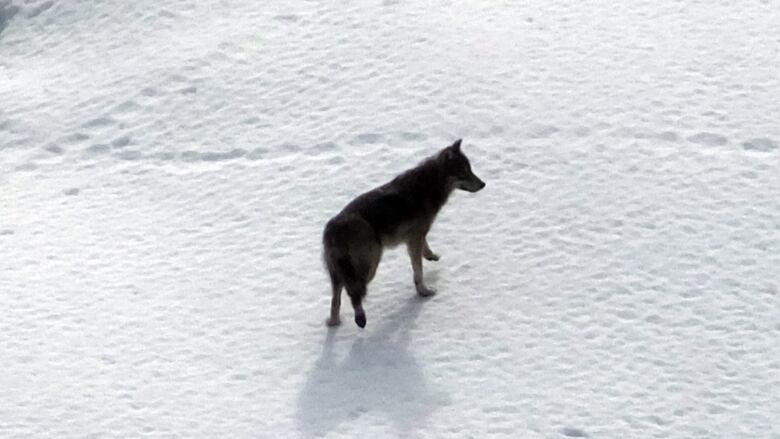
(399, 211)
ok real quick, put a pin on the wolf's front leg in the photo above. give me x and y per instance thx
(415, 248)
(428, 253)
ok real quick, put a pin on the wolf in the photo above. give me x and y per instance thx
(400, 211)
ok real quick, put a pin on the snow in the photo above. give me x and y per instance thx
(166, 169)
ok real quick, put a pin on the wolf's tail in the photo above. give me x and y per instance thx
(345, 269)
(340, 251)
(335, 254)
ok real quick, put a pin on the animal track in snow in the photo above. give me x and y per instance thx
(367, 138)
(760, 144)
(208, 156)
(573, 432)
(708, 139)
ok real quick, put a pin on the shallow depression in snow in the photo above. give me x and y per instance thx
(167, 168)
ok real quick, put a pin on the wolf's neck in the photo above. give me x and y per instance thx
(429, 184)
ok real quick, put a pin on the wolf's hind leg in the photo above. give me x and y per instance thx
(335, 303)
(428, 253)
(356, 292)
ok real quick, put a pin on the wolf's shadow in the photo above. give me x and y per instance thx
(378, 376)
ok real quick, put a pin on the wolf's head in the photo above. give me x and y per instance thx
(458, 169)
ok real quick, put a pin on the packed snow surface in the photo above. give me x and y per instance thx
(167, 167)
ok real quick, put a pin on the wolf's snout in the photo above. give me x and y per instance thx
(474, 184)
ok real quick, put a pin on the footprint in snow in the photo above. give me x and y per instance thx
(761, 144)
(708, 139)
(573, 432)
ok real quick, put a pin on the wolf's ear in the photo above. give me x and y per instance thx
(456, 146)
(452, 151)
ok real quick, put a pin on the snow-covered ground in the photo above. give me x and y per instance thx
(166, 169)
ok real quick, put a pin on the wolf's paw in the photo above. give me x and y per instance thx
(431, 256)
(331, 322)
(360, 319)
(425, 291)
